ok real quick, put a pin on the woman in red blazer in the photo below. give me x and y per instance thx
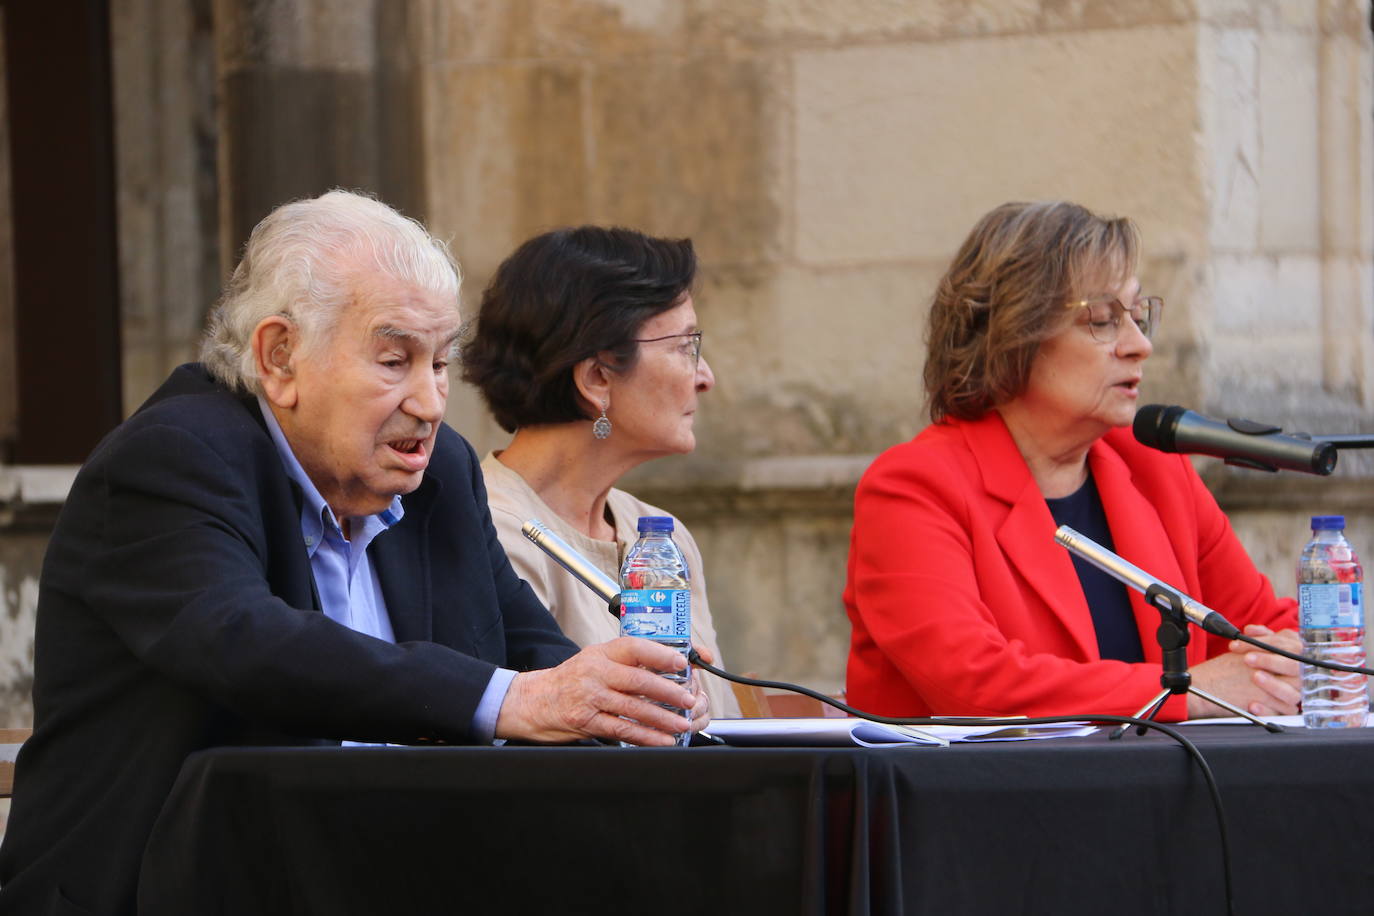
(961, 601)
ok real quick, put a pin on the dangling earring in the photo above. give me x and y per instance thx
(602, 427)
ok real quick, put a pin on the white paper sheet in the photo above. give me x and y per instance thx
(1285, 721)
(860, 732)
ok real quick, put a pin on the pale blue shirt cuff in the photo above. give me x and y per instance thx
(489, 708)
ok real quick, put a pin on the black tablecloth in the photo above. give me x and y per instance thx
(1060, 826)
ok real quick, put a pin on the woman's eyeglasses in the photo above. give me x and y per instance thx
(1104, 314)
(691, 343)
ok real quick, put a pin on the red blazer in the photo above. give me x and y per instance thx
(962, 603)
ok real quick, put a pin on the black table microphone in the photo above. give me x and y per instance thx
(1244, 443)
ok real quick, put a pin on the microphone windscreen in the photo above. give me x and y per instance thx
(1155, 425)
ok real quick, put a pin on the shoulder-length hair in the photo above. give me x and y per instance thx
(1004, 294)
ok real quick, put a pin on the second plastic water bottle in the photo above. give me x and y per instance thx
(655, 596)
(1331, 617)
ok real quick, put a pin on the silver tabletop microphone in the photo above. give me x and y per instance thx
(568, 558)
(1123, 570)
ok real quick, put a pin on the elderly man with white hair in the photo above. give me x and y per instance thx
(286, 545)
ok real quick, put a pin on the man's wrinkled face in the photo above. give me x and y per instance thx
(362, 406)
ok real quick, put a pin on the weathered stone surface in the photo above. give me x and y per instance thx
(899, 148)
(820, 21)
(690, 147)
(1349, 17)
(808, 361)
(1284, 114)
(1274, 522)
(778, 593)
(1289, 142)
(1175, 371)
(506, 146)
(21, 557)
(1228, 65)
(1345, 17)
(314, 99)
(1346, 93)
(305, 34)
(477, 30)
(608, 29)
(1268, 297)
(803, 20)
(166, 185)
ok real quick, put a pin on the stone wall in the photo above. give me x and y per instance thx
(21, 556)
(827, 158)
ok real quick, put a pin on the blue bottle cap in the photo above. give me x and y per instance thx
(656, 523)
(1319, 523)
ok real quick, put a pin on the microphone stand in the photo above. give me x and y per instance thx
(1172, 636)
(1347, 441)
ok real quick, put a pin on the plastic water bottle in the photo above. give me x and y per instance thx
(656, 597)
(1331, 615)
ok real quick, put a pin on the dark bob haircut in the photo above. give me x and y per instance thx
(563, 297)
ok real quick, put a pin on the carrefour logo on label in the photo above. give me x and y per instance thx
(658, 597)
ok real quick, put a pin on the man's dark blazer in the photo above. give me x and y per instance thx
(176, 612)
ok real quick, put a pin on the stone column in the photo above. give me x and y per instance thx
(316, 94)
(1283, 295)
(166, 184)
(1284, 92)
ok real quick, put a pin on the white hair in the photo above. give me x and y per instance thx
(302, 262)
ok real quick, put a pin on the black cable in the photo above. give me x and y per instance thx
(1305, 659)
(1192, 749)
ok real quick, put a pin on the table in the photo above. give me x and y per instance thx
(1057, 826)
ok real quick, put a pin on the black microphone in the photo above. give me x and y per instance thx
(1244, 443)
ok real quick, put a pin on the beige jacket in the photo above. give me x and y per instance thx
(581, 614)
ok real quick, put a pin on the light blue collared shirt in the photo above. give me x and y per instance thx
(349, 590)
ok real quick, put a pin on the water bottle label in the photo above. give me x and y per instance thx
(1330, 605)
(656, 613)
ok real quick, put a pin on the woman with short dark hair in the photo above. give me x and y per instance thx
(587, 349)
(961, 601)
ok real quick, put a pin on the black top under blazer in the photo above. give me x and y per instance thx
(176, 612)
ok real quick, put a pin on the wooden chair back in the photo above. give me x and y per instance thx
(10, 739)
(757, 703)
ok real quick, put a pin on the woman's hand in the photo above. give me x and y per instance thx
(1260, 682)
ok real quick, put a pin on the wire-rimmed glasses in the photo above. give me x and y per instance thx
(692, 346)
(1104, 314)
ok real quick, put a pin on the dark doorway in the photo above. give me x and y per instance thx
(66, 289)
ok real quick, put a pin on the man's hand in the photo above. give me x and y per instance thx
(1260, 682)
(596, 694)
